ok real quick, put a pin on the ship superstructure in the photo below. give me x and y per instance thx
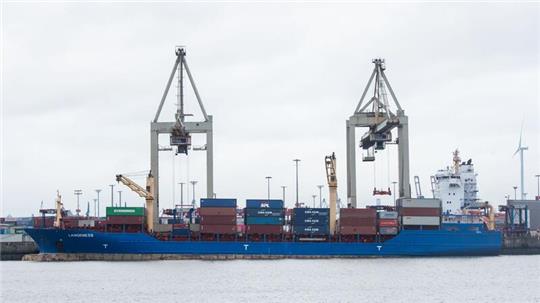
(456, 186)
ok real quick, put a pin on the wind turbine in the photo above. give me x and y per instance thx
(520, 150)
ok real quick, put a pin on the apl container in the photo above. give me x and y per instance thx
(218, 203)
(264, 212)
(264, 220)
(310, 230)
(257, 203)
(125, 211)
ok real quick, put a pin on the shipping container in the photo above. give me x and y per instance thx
(303, 220)
(87, 223)
(264, 229)
(264, 212)
(424, 203)
(420, 211)
(217, 211)
(388, 222)
(388, 230)
(194, 227)
(219, 220)
(350, 221)
(256, 203)
(125, 220)
(38, 222)
(310, 212)
(357, 213)
(218, 203)
(180, 232)
(417, 220)
(311, 230)
(388, 215)
(264, 220)
(125, 211)
(218, 229)
(358, 230)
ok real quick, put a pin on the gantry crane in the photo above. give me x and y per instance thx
(378, 117)
(330, 162)
(146, 193)
(180, 132)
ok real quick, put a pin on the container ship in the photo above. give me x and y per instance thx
(265, 227)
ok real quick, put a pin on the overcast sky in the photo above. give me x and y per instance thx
(81, 82)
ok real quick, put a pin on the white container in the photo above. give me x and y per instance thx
(417, 220)
(388, 215)
(419, 203)
(87, 223)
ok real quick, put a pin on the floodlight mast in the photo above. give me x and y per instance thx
(180, 131)
(380, 120)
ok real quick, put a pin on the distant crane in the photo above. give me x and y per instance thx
(520, 150)
(331, 178)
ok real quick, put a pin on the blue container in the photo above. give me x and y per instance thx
(180, 232)
(324, 212)
(264, 212)
(218, 203)
(253, 203)
(311, 220)
(177, 221)
(264, 220)
(311, 230)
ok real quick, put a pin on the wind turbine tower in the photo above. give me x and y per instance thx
(520, 150)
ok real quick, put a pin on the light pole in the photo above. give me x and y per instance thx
(268, 179)
(181, 193)
(120, 198)
(296, 162)
(515, 192)
(95, 207)
(283, 189)
(538, 185)
(314, 196)
(193, 183)
(320, 194)
(98, 191)
(394, 192)
(112, 195)
(78, 193)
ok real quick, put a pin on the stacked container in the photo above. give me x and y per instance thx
(218, 216)
(129, 219)
(264, 217)
(420, 213)
(311, 221)
(388, 222)
(358, 221)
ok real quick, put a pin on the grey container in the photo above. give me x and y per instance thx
(420, 203)
(388, 215)
(195, 227)
(388, 230)
(417, 220)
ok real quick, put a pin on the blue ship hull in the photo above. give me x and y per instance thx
(406, 243)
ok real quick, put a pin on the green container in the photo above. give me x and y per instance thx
(125, 211)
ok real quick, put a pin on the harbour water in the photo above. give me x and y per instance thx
(463, 279)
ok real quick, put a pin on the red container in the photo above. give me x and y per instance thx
(263, 229)
(357, 213)
(388, 223)
(125, 220)
(358, 230)
(38, 222)
(218, 220)
(217, 211)
(218, 229)
(351, 221)
(420, 211)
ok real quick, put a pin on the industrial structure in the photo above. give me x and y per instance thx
(377, 115)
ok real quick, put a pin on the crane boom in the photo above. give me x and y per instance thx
(147, 194)
(330, 162)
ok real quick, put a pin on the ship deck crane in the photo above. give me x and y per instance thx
(146, 193)
(330, 163)
(377, 115)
